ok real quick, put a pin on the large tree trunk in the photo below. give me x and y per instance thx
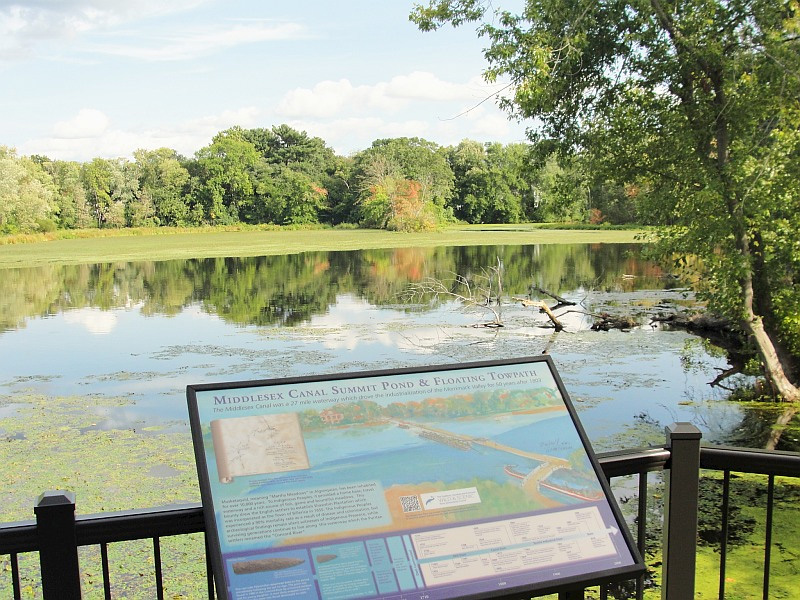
(769, 357)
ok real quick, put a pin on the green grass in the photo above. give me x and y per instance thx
(128, 245)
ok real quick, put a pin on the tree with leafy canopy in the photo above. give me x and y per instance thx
(223, 174)
(72, 208)
(26, 193)
(492, 181)
(163, 179)
(300, 178)
(381, 172)
(697, 102)
(110, 186)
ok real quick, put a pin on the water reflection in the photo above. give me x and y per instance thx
(290, 289)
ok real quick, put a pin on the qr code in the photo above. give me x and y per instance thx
(410, 503)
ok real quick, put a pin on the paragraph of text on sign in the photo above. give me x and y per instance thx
(313, 511)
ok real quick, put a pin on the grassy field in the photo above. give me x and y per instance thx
(93, 246)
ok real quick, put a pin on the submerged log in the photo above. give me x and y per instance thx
(606, 321)
(696, 322)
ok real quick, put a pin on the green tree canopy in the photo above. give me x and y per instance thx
(224, 175)
(387, 200)
(697, 102)
(163, 178)
(26, 193)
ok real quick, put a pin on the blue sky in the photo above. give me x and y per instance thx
(87, 78)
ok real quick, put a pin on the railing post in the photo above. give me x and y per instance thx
(58, 548)
(680, 512)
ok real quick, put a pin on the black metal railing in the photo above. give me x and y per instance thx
(57, 532)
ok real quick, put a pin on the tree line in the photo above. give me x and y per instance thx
(284, 176)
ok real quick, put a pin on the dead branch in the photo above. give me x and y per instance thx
(542, 308)
(723, 375)
(561, 301)
(546, 309)
(483, 292)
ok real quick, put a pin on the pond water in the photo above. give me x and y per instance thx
(143, 331)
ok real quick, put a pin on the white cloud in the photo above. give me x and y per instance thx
(421, 85)
(24, 25)
(339, 98)
(88, 123)
(331, 98)
(202, 43)
(488, 124)
(81, 138)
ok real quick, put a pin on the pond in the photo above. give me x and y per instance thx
(143, 331)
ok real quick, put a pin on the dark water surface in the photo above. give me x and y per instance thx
(143, 331)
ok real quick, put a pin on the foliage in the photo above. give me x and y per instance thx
(563, 192)
(283, 176)
(404, 184)
(26, 193)
(493, 183)
(162, 178)
(223, 176)
(696, 106)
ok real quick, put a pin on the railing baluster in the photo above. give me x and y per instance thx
(723, 547)
(641, 529)
(106, 573)
(209, 569)
(15, 576)
(768, 541)
(157, 562)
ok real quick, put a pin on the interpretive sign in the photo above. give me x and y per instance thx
(453, 481)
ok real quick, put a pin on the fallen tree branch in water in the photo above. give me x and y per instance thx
(723, 375)
(608, 321)
(561, 301)
(542, 308)
(696, 322)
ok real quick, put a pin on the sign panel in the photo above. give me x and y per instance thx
(465, 480)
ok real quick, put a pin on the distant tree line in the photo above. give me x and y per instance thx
(286, 177)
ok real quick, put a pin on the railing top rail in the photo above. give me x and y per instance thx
(127, 525)
(750, 460)
(18, 537)
(632, 461)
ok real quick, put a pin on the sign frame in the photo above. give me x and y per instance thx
(282, 459)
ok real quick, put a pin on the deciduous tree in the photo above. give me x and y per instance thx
(698, 101)
(26, 193)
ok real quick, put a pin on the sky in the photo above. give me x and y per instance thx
(81, 79)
